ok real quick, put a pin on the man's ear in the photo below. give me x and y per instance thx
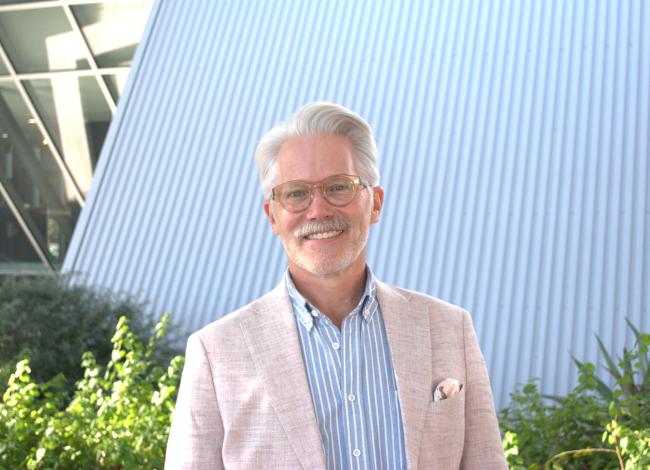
(268, 210)
(377, 203)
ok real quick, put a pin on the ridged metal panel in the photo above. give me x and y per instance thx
(514, 139)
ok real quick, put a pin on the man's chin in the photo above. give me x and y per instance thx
(322, 267)
(325, 262)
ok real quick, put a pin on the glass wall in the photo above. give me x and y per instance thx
(63, 65)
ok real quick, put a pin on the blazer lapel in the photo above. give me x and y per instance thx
(273, 341)
(407, 326)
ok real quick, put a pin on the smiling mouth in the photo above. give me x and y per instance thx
(323, 235)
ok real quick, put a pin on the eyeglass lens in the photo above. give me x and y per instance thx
(338, 190)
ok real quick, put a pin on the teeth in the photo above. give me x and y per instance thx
(323, 235)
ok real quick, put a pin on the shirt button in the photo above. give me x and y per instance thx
(336, 346)
(356, 452)
(351, 397)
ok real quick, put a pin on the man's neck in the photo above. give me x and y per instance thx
(335, 295)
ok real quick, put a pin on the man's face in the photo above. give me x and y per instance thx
(323, 251)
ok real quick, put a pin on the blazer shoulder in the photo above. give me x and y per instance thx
(230, 323)
(433, 304)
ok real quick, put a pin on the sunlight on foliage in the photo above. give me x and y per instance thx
(119, 416)
(594, 426)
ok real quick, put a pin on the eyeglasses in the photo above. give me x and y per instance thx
(338, 190)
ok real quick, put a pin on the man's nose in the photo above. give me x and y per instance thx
(319, 207)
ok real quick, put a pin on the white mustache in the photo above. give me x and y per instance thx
(329, 225)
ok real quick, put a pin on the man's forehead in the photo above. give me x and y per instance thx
(315, 157)
(315, 142)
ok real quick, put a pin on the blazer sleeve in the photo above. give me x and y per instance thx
(482, 447)
(196, 435)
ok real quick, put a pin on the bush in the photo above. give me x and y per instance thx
(594, 426)
(53, 324)
(119, 416)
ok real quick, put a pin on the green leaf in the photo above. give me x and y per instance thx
(555, 398)
(611, 364)
(636, 332)
(603, 390)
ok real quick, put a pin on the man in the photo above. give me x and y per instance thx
(333, 369)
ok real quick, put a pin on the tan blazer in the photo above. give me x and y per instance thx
(244, 400)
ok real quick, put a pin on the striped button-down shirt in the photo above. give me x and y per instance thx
(352, 382)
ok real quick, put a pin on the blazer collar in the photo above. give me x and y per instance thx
(408, 329)
(274, 345)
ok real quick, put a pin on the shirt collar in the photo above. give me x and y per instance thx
(306, 313)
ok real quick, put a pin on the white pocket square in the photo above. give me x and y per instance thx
(446, 388)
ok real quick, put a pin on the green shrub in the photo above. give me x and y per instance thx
(594, 426)
(119, 416)
(53, 324)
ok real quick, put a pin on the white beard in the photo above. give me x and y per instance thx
(329, 260)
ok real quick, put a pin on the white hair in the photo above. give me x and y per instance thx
(313, 119)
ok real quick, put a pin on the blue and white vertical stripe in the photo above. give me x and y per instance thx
(352, 382)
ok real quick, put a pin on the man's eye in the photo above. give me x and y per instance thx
(296, 193)
(337, 188)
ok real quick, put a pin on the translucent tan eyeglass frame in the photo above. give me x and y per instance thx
(356, 182)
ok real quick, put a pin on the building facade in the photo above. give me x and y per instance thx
(514, 151)
(63, 67)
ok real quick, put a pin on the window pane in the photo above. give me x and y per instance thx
(115, 84)
(32, 177)
(3, 69)
(41, 40)
(77, 117)
(113, 30)
(16, 253)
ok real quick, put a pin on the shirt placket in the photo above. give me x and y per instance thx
(331, 338)
(352, 390)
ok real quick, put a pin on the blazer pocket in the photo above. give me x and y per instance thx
(443, 436)
(454, 405)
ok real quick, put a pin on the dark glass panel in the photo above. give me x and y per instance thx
(113, 30)
(30, 174)
(116, 83)
(16, 252)
(77, 117)
(41, 40)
